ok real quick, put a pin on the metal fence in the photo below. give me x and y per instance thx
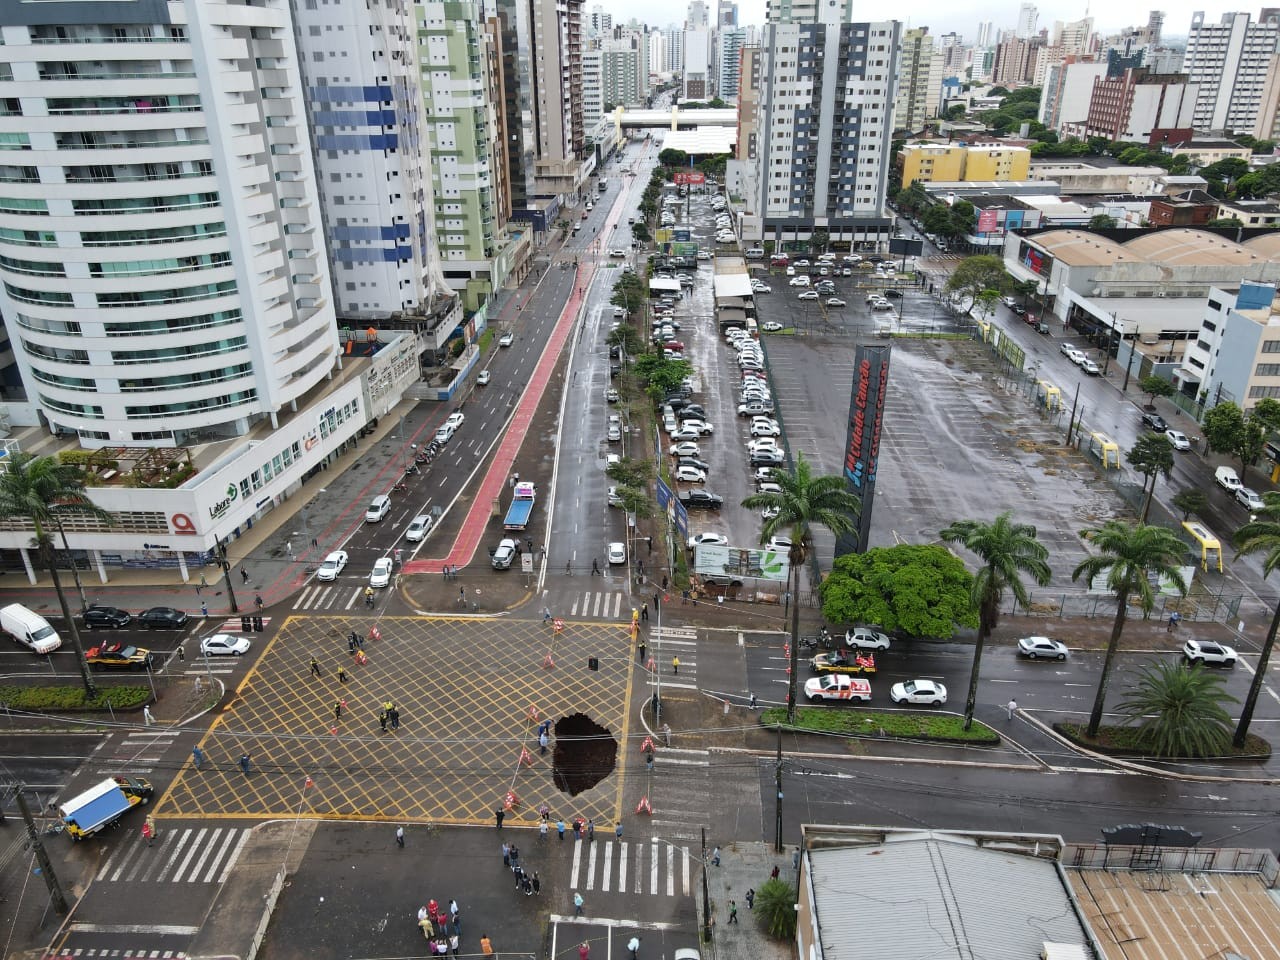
(1098, 856)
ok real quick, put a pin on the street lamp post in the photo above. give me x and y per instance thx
(1128, 367)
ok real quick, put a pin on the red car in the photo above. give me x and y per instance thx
(674, 345)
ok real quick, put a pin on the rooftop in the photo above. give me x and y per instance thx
(1177, 246)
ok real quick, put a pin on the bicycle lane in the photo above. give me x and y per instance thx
(500, 468)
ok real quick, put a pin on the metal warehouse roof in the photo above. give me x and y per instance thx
(938, 896)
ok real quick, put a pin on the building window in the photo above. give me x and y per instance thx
(1271, 346)
(1267, 370)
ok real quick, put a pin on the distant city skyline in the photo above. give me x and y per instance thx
(943, 17)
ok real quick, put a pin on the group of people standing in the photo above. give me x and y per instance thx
(442, 930)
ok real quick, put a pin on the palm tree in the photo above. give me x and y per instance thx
(1180, 709)
(1008, 551)
(775, 909)
(1151, 456)
(805, 501)
(1128, 554)
(42, 490)
(1260, 535)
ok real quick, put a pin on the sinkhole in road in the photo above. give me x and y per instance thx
(585, 754)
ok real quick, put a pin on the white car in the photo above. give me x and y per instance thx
(483, 378)
(864, 638)
(919, 691)
(768, 487)
(763, 474)
(762, 443)
(685, 449)
(333, 565)
(1067, 349)
(419, 527)
(687, 474)
(614, 499)
(761, 427)
(771, 326)
(1250, 500)
(615, 252)
(704, 429)
(708, 539)
(612, 460)
(837, 686)
(1204, 651)
(444, 434)
(808, 295)
(381, 575)
(765, 288)
(614, 433)
(1089, 367)
(1179, 439)
(1033, 648)
(224, 645)
(801, 281)
(779, 544)
(506, 340)
(616, 553)
(454, 420)
(1077, 357)
(685, 433)
(835, 302)
(768, 513)
(749, 363)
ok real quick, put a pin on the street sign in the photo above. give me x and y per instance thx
(695, 177)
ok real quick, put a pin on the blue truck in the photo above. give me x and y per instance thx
(521, 507)
(102, 805)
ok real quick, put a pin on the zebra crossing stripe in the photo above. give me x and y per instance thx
(653, 867)
(235, 856)
(606, 875)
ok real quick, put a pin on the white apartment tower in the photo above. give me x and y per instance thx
(164, 266)
(1229, 60)
(826, 117)
(1028, 15)
(360, 69)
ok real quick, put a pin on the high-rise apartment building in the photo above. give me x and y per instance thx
(985, 33)
(728, 14)
(729, 61)
(373, 165)
(699, 82)
(163, 263)
(1228, 62)
(593, 98)
(673, 53)
(600, 22)
(1015, 60)
(826, 118)
(698, 17)
(1028, 16)
(624, 75)
(1132, 105)
(919, 81)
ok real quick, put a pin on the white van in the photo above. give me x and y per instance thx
(379, 507)
(755, 253)
(29, 628)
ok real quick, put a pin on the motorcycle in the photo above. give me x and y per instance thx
(399, 486)
(823, 639)
(411, 469)
(422, 458)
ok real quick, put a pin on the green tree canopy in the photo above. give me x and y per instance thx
(1154, 386)
(671, 157)
(1102, 221)
(973, 275)
(922, 590)
(1151, 456)
(1190, 501)
(1179, 710)
(1228, 432)
(659, 374)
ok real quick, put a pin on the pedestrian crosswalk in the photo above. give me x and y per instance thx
(665, 646)
(178, 855)
(235, 624)
(679, 792)
(115, 953)
(647, 867)
(600, 605)
(138, 752)
(330, 596)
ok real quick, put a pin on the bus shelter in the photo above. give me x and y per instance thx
(1210, 548)
(1105, 449)
(1048, 396)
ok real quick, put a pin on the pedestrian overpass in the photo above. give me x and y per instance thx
(673, 119)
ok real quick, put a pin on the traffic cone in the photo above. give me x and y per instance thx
(533, 713)
(644, 807)
(647, 746)
(547, 662)
(526, 758)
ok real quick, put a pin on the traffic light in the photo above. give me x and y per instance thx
(593, 663)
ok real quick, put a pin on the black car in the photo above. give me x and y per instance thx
(694, 410)
(163, 618)
(107, 618)
(1019, 309)
(676, 402)
(692, 462)
(766, 458)
(701, 500)
(1154, 421)
(893, 294)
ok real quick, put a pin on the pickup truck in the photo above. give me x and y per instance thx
(102, 805)
(1227, 479)
(843, 661)
(521, 507)
(837, 686)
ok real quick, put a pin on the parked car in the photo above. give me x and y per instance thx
(771, 326)
(808, 295)
(835, 302)
(110, 618)
(1179, 439)
(708, 539)
(919, 691)
(864, 638)
(1227, 478)
(701, 500)
(1154, 421)
(688, 474)
(1250, 500)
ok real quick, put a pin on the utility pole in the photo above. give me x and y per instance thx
(226, 574)
(777, 777)
(1071, 420)
(1128, 367)
(706, 892)
(42, 856)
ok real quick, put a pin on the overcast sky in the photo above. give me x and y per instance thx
(944, 16)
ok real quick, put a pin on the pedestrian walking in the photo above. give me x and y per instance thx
(147, 717)
(257, 601)
(666, 734)
(457, 924)
(542, 830)
(560, 829)
(400, 837)
(382, 720)
(244, 575)
(1011, 707)
(634, 946)
(577, 830)
(675, 666)
(288, 548)
(542, 743)
(342, 674)
(773, 874)
(577, 903)
(337, 710)
(644, 612)
(506, 854)
(617, 831)
(393, 715)
(595, 567)
(351, 642)
(751, 898)
(245, 762)
(665, 582)
(453, 944)
(462, 596)
(546, 614)
(182, 654)
(1174, 618)
(197, 757)
(733, 911)
(315, 667)
(203, 583)
(453, 909)
(497, 818)
(715, 857)
(204, 609)
(591, 831)
(642, 648)
(752, 697)
(424, 921)
(584, 950)
(485, 946)
(655, 602)
(515, 856)
(147, 833)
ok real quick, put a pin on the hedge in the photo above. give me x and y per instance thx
(906, 725)
(43, 699)
(1126, 741)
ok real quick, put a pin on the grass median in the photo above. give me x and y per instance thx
(904, 724)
